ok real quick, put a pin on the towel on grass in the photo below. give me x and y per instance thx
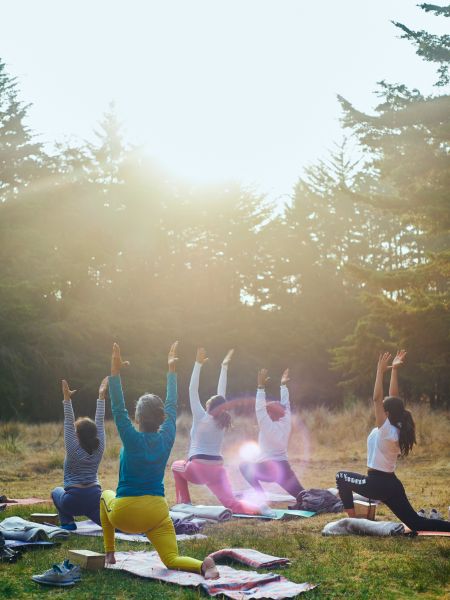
(279, 514)
(16, 528)
(91, 529)
(211, 513)
(250, 557)
(350, 526)
(231, 583)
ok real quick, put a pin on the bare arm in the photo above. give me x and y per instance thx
(396, 363)
(378, 395)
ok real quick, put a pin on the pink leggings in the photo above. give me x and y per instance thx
(215, 477)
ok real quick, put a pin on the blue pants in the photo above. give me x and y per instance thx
(76, 502)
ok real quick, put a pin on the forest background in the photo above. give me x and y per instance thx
(98, 244)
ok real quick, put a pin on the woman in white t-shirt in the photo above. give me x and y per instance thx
(393, 435)
(204, 465)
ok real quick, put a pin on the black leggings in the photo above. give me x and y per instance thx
(378, 485)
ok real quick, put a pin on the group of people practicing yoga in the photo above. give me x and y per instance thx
(139, 504)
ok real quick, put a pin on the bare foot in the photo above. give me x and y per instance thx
(110, 558)
(209, 569)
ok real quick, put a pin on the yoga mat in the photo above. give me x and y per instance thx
(252, 495)
(25, 501)
(280, 515)
(426, 533)
(231, 583)
(91, 529)
(18, 544)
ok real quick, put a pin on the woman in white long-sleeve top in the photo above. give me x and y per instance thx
(204, 465)
(274, 420)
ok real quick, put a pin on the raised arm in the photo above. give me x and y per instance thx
(260, 407)
(100, 412)
(194, 399)
(378, 395)
(222, 384)
(127, 432)
(396, 364)
(70, 437)
(168, 428)
(284, 390)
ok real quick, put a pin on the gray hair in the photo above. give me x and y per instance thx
(149, 412)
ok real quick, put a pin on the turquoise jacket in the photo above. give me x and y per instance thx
(144, 456)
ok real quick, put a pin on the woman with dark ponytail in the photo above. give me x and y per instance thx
(204, 464)
(84, 440)
(393, 435)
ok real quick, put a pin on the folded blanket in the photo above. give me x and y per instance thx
(231, 583)
(212, 513)
(250, 557)
(16, 528)
(91, 529)
(350, 526)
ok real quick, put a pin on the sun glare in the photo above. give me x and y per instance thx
(249, 451)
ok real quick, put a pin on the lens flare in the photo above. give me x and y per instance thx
(249, 451)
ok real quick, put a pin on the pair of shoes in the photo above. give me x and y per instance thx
(433, 514)
(68, 526)
(64, 574)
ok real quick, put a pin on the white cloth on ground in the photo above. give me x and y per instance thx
(350, 526)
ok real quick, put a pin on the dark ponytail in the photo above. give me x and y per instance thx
(87, 434)
(216, 408)
(401, 418)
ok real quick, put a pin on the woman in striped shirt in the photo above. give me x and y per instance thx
(84, 441)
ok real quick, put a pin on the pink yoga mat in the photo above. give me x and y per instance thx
(24, 501)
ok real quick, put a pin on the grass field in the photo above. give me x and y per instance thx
(321, 443)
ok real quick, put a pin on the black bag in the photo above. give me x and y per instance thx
(6, 554)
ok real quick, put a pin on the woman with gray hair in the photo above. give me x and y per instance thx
(139, 505)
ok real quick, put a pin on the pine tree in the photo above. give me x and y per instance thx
(409, 299)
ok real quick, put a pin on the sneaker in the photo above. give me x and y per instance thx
(266, 511)
(68, 526)
(55, 576)
(422, 513)
(74, 570)
(435, 514)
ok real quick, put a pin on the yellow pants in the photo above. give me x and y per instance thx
(144, 514)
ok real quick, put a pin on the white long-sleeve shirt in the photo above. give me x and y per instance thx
(206, 436)
(273, 436)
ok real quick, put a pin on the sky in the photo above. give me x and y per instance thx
(212, 90)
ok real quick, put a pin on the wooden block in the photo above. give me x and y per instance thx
(364, 510)
(51, 518)
(87, 559)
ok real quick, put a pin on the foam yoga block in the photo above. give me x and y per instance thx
(51, 518)
(93, 561)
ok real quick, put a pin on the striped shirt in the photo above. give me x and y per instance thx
(79, 465)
